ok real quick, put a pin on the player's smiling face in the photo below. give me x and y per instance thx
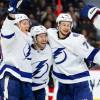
(64, 28)
(41, 40)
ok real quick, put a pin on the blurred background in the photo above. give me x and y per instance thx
(45, 12)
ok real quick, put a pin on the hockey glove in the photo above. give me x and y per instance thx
(12, 6)
(89, 11)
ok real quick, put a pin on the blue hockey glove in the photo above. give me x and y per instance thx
(89, 11)
(12, 6)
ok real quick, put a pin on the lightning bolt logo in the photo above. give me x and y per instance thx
(27, 51)
(39, 67)
(58, 52)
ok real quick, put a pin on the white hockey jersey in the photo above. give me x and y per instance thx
(41, 63)
(16, 51)
(69, 66)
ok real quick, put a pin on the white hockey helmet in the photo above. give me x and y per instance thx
(36, 30)
(64, 17)
(20, 17)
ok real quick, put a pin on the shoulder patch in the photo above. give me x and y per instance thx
(76, 34)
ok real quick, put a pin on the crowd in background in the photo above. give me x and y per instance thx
(45, 12)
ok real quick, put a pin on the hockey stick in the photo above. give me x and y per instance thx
(19, 3)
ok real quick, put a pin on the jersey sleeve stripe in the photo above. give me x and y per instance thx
(92, 55)
(8, 36)
(23, 74)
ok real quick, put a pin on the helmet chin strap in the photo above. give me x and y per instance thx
(37, 48)
(64, 36)
(60, 32)
(35, 44)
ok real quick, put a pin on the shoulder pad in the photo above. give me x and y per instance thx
(76, 34)
(51, 29)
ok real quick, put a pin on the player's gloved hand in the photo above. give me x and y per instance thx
(93, 13)
(12, 6)
(89, 11)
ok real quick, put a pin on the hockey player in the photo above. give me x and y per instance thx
(16, 70)
(69, 50)
(41, 61)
